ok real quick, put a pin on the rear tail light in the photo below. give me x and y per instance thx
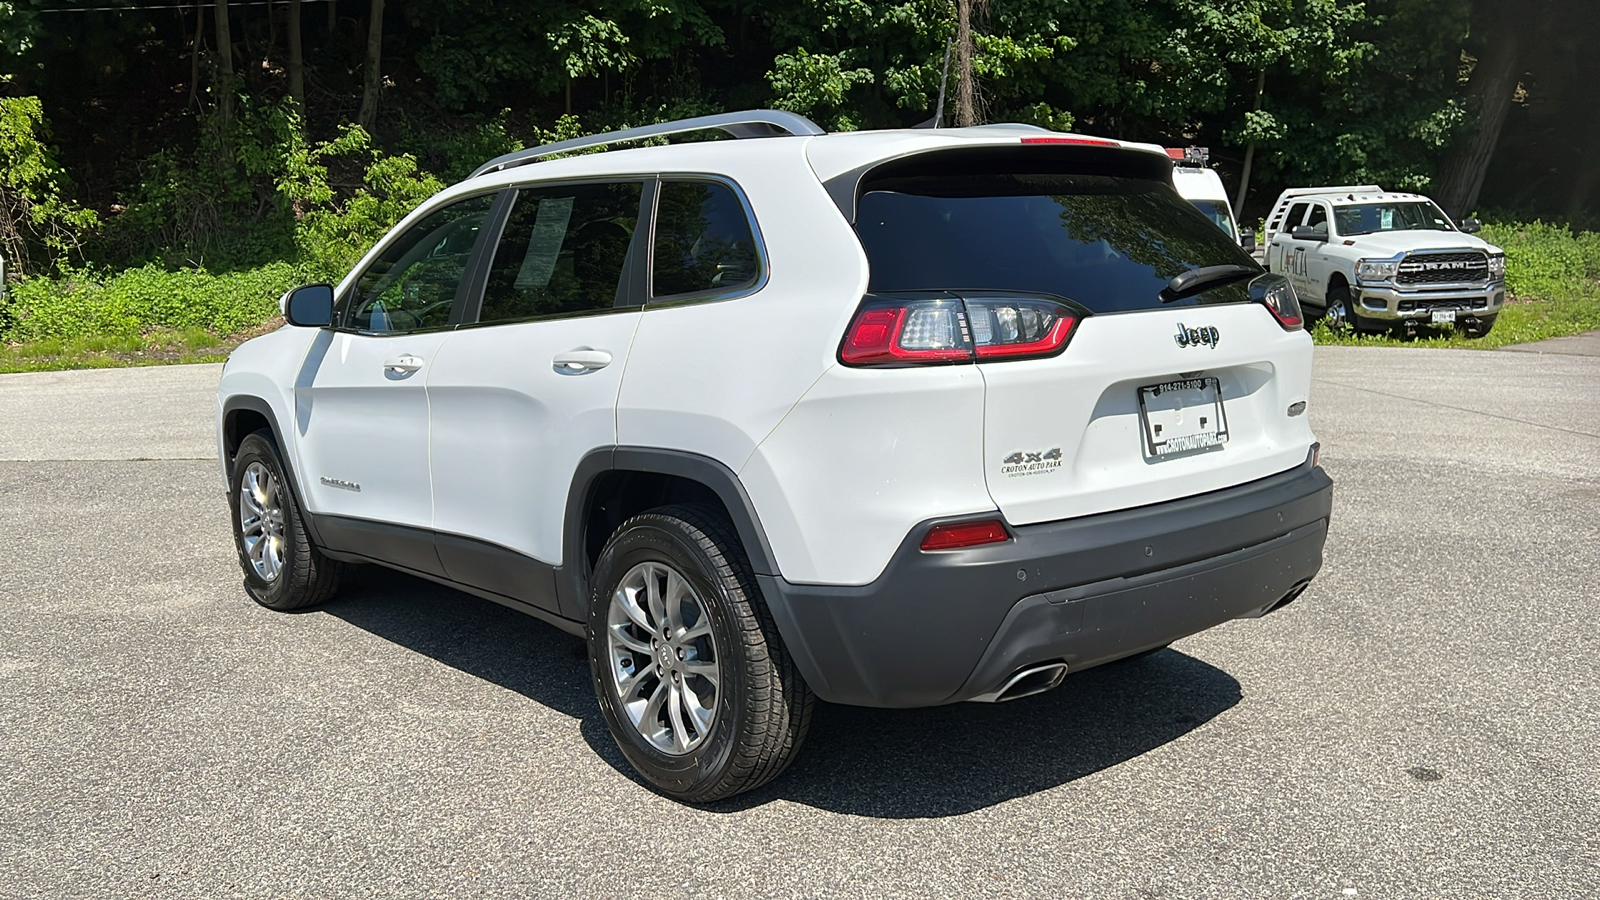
(1277, 295)
(922, 330)
(965, 534)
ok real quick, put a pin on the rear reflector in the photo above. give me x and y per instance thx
(965, 534)
(1091, 142)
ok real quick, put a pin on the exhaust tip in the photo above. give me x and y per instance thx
(1026, 682)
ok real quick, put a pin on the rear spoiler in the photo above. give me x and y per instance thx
(1044, 154)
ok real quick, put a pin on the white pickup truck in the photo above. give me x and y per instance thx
(1373, 260)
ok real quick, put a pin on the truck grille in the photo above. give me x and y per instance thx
(1444, 268)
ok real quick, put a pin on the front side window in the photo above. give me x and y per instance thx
(564, 250)
(412, 284)
(1369, 218)
(1110, 243)
(703, 240)
(1319, 219)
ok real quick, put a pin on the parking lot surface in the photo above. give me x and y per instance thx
(1423, 722)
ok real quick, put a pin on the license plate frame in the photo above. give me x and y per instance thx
(1168, 431)
(1443, 317)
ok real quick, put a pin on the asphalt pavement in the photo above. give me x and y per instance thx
(1423, 722)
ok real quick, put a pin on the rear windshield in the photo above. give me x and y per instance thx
(1108, 242)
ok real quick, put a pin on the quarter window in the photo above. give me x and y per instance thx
(412, 284)
(703, 240)
(564, 250)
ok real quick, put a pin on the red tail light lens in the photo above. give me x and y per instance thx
(965, 534)
(1277, 295)
(889, 331)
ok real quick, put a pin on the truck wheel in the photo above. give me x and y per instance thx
(283, 570)
(1341, 312)
(1478, 326)
(692, 678)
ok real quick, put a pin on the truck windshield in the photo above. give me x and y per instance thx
(1110, 243)
(1413, 215)
(1217, 212)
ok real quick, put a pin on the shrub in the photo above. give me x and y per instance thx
(137, 300)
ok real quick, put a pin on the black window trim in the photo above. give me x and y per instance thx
(474, 262)
(714, 295)
(636, 272)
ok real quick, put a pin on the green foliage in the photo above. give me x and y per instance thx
(815, 85)
(38, 225)
(1545, 261)
(132, 302)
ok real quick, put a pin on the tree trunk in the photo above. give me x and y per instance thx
(297, 66)
(1494, 84)
(194, 58)
(333, 18)
(1249, 155)
(224, 65)
(368, 117)
(968, 102)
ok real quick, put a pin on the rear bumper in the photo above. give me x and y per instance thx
(1388, 304)
(949, 626)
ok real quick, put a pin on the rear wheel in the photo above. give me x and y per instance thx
(690, 673)
(283, 570)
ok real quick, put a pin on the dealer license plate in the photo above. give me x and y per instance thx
(1180, 416)
(1444, 316)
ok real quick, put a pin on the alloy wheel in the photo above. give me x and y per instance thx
(261, 521)
(662, 659)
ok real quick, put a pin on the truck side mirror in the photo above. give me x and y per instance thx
(1307, 233)
(310, 306)
(1248, 241)
(1470, 226)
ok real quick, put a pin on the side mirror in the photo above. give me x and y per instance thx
(1307, 233)
(1248, 241)
(309, 307)
(1470, 226)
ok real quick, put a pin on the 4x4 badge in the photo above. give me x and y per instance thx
(1205, 334)
(1026, 462)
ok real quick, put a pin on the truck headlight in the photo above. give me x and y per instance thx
(1377, 269)
(1497, 267)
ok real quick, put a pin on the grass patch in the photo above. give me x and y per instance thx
(163, 346)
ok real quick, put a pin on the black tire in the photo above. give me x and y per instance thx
(305, 577)
(1339, 296)
(762, 705)
(1479, 326)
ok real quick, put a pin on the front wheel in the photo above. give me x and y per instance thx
(283, 570)
(1341, 312)
(692, 678)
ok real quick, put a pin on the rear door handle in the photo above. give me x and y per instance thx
(401, 366)
(580, 360)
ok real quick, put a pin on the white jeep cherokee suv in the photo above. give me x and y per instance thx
(893, 418)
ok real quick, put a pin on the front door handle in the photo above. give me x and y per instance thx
(401, 366)
(580, 360)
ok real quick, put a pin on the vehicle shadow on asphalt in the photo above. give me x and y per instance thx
(883, 763)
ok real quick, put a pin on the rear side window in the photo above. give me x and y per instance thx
(564, 250)
(704, 242)
(1111, 243)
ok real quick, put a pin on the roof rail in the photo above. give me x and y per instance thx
(753, 123)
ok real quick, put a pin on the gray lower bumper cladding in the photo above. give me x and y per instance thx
(940, 628)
